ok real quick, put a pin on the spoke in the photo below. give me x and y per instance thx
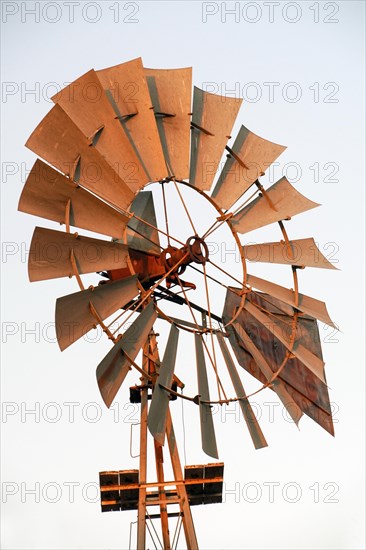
(185, 207)
(226, 273)
(211, 333)
(203, 341)
(165, 213)
(151, 290)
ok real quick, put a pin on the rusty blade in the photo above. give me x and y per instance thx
(61, 143)
(311, 306)
(170, 92)
(259, 441)
(278, 386)
(51, 253)
(283, 333)
(212, 120)
(86, 103)
(49, 194)
(300, 252)
(113, 369)
(127, 91)
(207, 426)
(256, 155)
(74, 313)
(160, 399)
(143, 207)
(284, 202)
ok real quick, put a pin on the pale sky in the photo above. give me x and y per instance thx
(299, 67)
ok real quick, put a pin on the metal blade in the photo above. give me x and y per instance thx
(213, 119)
(49, 194)
(113, 369)
(207, 426)
(74, 317)
(170, 92)
(143, 207)
(311, 306)
(127, 90)
(256, 155)
(292, 408)
(51, 254)
(255, 431)
(287, 202)
(301, 252)
(61, 143)
(86, 103)
(160, 399)
(311, 361)
(306, 389)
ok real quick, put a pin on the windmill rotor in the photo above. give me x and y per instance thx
(131, 156)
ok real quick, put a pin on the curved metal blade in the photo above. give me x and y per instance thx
(61, 143)
(278, 386)
(170, 92)
(311, 361)
(254, 428)
(48, 194)
(311, 306)
(51, 253)
(286, 201)
(207, 426)
(302, 252)
(256, 155)
(86, 103)
(212, 120)
(127, 91)
(74, 316)
(143, 207)
(113, 369)
(160, 399)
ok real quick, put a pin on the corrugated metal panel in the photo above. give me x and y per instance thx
(113, 369)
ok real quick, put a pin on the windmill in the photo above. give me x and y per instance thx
(117, 141)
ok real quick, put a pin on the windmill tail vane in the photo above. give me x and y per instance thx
(133, 157)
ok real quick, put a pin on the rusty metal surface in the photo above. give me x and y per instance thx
(160, 399)
(113, 369)
(310, 306)
(207, 426)
(50, 254)
(170, 92)
(47, 193)
(86, 103)
(305, 389)
(143, 206)
(281, 328)
(61, 143)
(127, 90)
(304, 252)
(257, 154)
(259, 441)
(286, 200)
(216, 115)
(74, 317)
